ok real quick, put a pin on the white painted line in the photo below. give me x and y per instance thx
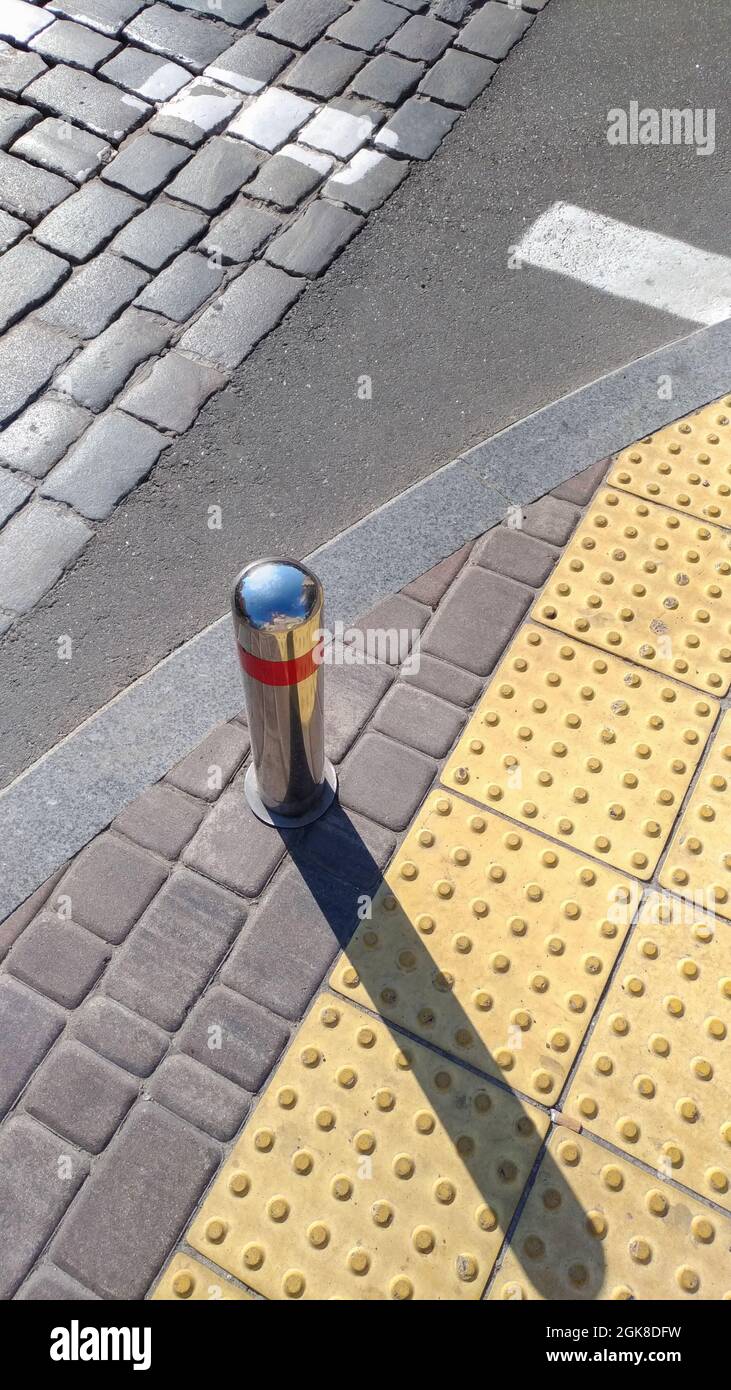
(630, 263)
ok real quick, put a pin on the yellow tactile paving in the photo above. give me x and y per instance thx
(583, 746)
(686, 465)
(698, 863)
(627, 1235)
(653, 1079)
(649, 585)
(186, 1280)
(490, 942)
(371, 1169)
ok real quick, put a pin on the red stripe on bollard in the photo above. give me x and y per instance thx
(291, 672)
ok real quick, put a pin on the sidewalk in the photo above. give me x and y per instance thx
(517, 1032)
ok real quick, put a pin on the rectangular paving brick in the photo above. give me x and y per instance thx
(417, 129)
(33, 1194)
(346, 846)
(418, 719)
(123, 1037)
(366, 181)
(272, 118)
(233, 11)
(289, 176)
(95, 294)
(340, 128)
(385, 781)
(80, 1096)
(234, 1037)
(158, 234)
(175, 949)
(108, 16)
(58, 959)
(145, 165)
(29, 355)
(76, 44)
(215, 174)
(173, 393)
(147, 75)
(387, 78)
(233, 847)
(185, 38)
(581, 488)
(247, 310)
(27, 192)
(64, 148)
(14, 119)
(458, 78)
(494, 29)
(476, 620)
(515, 554)
(20, 21)
(549, 519)
(421, 39)
(235, 236)
(88, 101)
(12, 926)
(100, 371)
(250, 64)
(35, 548)
(18, 69)
(197, 111)
(391, 629)
(209, 768)
(28, 1025)
(13, 493)
(48, 1284)
(86, 221)
(29, 275)
(324, 70)
(35, 440)
(300, 22)
(314, 240)
(11, 230)
(211, 1103)
(141, 1192)
(182, 287)
(108, 887)
(351, 695)
(160, 820)
(431, 587)
(367, 24)
(114, 455)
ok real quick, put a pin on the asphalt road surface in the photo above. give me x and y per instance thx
(457, 345)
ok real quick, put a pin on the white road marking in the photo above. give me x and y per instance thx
(630, 262)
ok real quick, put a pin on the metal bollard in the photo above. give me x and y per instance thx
(277, 609)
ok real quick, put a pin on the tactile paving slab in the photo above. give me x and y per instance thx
(698, 863)
(583, 746)
(371, 1169)
(626, 1235)
(653, 1079)
(650, 585)
(491, 943)
(686, 465)
(186, 1280)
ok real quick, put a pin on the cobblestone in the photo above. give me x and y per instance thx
(108, 887)
(250, 64)
(28, 1025)
(27, 192)
(458, 78)
(64, 148)
(201, 109)
(58, 959)
(14, 119)
(181, 289)
(366, 181)
(144, 166)
(41, 435)
(13, 493)
(20, 21)
(33, 1196)
(174, 393)
(11, 230)
(215, 174)
(145, 74)
(158, 234)
(314, 240)
(367, 24)
(119, 1035)
(29, 275)
(387, 78)
(417, 129)
(29, 355)
(81, 226)
(241, 231)
(494, 29)
(108, 16)
(160, 820)
(421, 39)
(75, 44)
(324, 70)
(270, 119)
(184, 38)
(115, 454)
(100, 371)
(18, 69)
(211, 1103)
(35, 548)
(300, 22)
(234, 1037)
(80, 1096)
(340, 130)
(82, 98)
(249, 308)
(289, 176)
(95, 294)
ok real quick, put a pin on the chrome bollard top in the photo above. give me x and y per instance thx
(276, 595)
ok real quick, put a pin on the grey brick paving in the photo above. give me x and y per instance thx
(160, 820)
(159, 233)
(458, 78)
(289, 176)
(233, 848)
(41, 435)
(250, 63)
(18, 69)
(209, 1102)
(314, 240)
(351, 695)
(184, 38)
(14, 119)
(100, 371)
(108, 887)
(233, 11)
(430, 587)
(215, 174)
(418, 719)
(29, 355)
(199, 110)
(367, 180)
(515, 554)
(33, 1195)
(64, 148)
(384, 780)
(271, 118)
(108, 16)
(58, 959)
(550, 520)
(581, 488)
(20, 21)
(18, 920)
(422, 39)
(119, 1035)
(147, 75)
(50, 1284)
(27, 192)
(13, 493)
(181, 288)
(494, 29)
(173, 393)
(28, 1025)
(239, 232)
(75, 44)
(387, 78)
(35, 548)
(399, 620)
(209, 768)
(174, 949)
(81, 226)
(137, 1199)
(300, 22)
(115, 454)
(144, 166)
(476, 619)
(249, 308)
(87, 101)
(324, 70)
(347, 846)
(80, 1096)
(94, 295)
(251, 1039)
(368, 23)
(417, 129)
(448, 682)
(11, 230)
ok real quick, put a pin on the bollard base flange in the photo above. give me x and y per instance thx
(326, 798)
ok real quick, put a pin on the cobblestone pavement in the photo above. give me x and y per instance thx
(136, 273)
(544, 973)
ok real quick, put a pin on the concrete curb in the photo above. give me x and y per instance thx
(76, 788)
